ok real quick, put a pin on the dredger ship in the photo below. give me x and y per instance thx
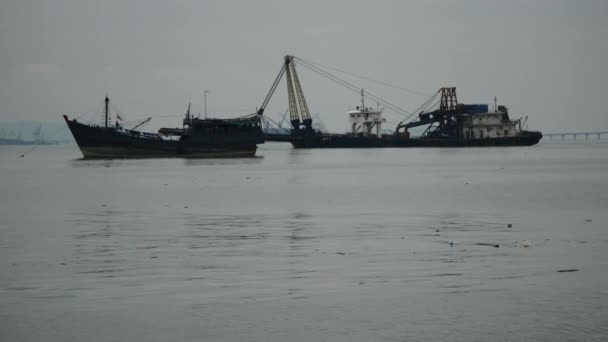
(449, 124)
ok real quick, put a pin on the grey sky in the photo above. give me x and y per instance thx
(546, 59)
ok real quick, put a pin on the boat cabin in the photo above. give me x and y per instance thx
(489, 125)
(364, 119)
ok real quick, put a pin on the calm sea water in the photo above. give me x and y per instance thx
(307, 245)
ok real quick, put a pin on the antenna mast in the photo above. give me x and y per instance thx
(107, 102)
(362, 100)
(205, 91)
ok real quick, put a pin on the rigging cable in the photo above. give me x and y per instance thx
(414, 92)
(269, 119)
(425, 106)
(354, 88)
(92, 114)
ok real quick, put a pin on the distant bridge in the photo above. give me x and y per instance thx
(574, 135)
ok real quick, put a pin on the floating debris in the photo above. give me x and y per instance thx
(568, 270)
(588, 220)
(526, 244)
(341, 253)
(495, 245)
(509, 225)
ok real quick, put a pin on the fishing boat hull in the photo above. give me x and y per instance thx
(117, 153)
(109, 143)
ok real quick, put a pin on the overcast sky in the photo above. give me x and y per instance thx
(545, 59)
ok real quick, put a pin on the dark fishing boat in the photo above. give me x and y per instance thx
(198, 138)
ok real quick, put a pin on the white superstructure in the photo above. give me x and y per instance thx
(490, 125)
(364, 119)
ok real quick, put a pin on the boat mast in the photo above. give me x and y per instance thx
(362, 100)
(205, 91)
(107, 102)
(188, 119)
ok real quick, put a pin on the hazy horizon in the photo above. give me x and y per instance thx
(543, 59)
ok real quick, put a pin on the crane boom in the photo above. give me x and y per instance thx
(304, 113)
(298, 108)
(141, 123)
(272, 89)
(294, 116)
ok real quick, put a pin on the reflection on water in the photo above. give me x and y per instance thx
(224, 161)
(297, 156)
(223, 231)
(301, 242)
(298, 252)
(102, 241)
(82, 162)
(118, 162)
(297, 225)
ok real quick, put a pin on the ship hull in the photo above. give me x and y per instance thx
(107, 143)
(110, 152)
(304, 141)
